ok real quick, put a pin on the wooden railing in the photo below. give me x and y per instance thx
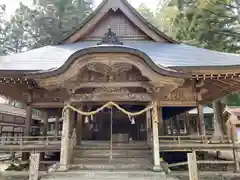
(208, 139)
(27, 140)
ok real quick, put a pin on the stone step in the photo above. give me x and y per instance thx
(108, 167)
(110, 175)
(79, 147)
(115, 153)
(106, 145)
(113, 161)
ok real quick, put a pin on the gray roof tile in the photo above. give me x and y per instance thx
(168, 55)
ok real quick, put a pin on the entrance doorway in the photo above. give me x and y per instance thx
(112, 123)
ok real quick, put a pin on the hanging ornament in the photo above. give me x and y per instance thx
(86, 120)
(129, 117)
(133, 120)
(91, 117)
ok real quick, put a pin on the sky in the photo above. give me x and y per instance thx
(13, 4)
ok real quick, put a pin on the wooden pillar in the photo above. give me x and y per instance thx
(28, 121)
(65, 142)
(72, 121)
(79, 127)
(156, 152)
(44, 130)
(27, 129)
(218, 130)
(160, 122)
(188, 124)
(176, 125)
(201, 122)
(171, 126)
(45, 123)
(148, 127)
(222, 120)
(57, 126)
(165, 126)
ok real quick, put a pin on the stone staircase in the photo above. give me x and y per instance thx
(129, 162)
(109, 175)
(96, 156)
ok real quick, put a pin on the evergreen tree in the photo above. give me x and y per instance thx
(47, 23)
(57, 18)
(2, 29)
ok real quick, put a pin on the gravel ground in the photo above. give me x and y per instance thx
(116, 175)
(208, 175)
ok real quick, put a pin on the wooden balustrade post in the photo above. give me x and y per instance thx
(21, 141)
(34, 166)
(47, 141)
(3, 140)
(192, 166)
(178, 140)
(235, 148)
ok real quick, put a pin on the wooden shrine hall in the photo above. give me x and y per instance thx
(117, 59)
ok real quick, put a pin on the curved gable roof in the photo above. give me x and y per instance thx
(128, 11)
(163, 54)
(108, 48)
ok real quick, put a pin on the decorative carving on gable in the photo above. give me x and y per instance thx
(181, 94)
(110, 38)
(111, 68)
(121, 67)
(99, 68)
(111, 71)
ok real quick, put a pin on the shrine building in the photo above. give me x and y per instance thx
(117, 57)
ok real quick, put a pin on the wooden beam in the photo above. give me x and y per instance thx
(47, 105)
(177, 103)
(112, 84)
(105, 97)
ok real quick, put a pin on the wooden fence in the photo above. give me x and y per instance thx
(26, 140)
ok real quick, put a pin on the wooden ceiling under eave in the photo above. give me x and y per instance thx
(16, 88)
(220, 87)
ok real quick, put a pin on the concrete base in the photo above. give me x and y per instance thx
(157, 169)
(62, 168)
